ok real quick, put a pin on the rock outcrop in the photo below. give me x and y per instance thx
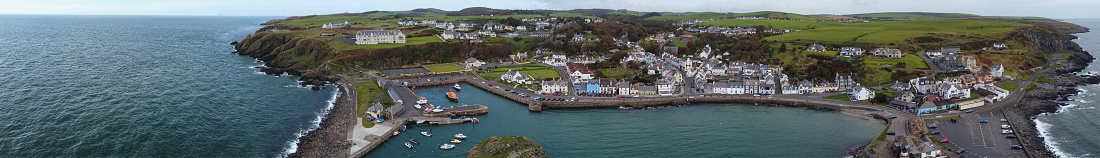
(507, 146)
(288, 54)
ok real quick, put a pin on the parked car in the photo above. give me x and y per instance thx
(935, 132)
(1010, 136)
(622, 96)
(1006, 131)
(1014, 147)
(953, 120)
(945, 140)
(893, 117)
(969, 110)
(932, 126)
(983, 121)
(1005, 127)
(960, 151)
(890, 133)
(1004, 120)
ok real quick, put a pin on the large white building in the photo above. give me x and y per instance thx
(335, 25)
(379, 36)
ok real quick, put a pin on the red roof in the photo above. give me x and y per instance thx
(687, 36)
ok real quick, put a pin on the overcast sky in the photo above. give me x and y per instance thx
(1058, 9)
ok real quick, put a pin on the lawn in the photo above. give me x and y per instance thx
(615, 72)
(840, 97)
(911, 61)
(1009, 86)
(408, 41)
(826, 53)
(878, 76)
(775, 24)
(444, 68)
(365, 95)
(895, 31)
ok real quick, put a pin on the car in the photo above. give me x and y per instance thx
(1014, 147)
(983, 121)
(893, 117)
(1004, 120)
(1010, 136)
(932, 126)
(953, 120)
(945, 140)
(960, 151)
(890, 133)
(935, 132)
(622, 96)
(1005, 127)
(1006, 131)
(969, 110)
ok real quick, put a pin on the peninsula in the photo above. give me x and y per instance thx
(926, 75)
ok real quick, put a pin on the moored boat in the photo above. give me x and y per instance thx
(476, 121)
(395, 133)
(456, 141)
(447, 146)
(407, 144)
(426, 134)
(460, 136)
(422, 100)
(414, 141)
(458, 88)
(452, 96)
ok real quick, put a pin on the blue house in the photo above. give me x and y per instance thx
(593, 87)
(928, 107)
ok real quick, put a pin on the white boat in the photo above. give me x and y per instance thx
(407, 144)
(457, 87)
(456, 141)
(426, 134)
(437, 110)
(395, 133)
(417, 106)
(460, 136)
(447, 146)
(422, 100)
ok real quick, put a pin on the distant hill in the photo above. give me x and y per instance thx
(1037, 21)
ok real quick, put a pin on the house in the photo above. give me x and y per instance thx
(887, 53)
(790, 89)
(379, 36)
(395, 111)
(720, 88)
(819, 88)
(845, 81)
(968, 80)
(427, 21)
(472, 63)
(991, 92)
(933, 53)
(553, 86)
(861, 93)
(579, 72)
(646, 90)
(805, 87)
(449, 34)
(969, 62)
(686, 37)
(999, 45)
(665, 87)
(406, 22)
(904, 102)
(996, 70)
(736, 88)
(376, 110)
(952, 91)
(590, 87)
(624, 88)
(334, 25)
(850, 51)
(816, 48)
(515, 77)
(671, 50)
(923, 85)
(608, 86)
(900, 86)
(930, 106)
(984, 77)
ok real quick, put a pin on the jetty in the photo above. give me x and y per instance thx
(464, 110)
(439, 120)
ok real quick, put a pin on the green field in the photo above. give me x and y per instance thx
(782, 15)
(840, 97)
(536, 71)
(1009, 86)
(894, 31)
(444, 68)
(826, 53)
(911, 61)
(689, 15)
(775, 24)
(566, 14)
(365, 95)
(408, 41)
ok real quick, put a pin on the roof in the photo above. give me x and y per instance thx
(378, 32)
(647, 88)
(376, 107)
(396, 109)
(471, 60)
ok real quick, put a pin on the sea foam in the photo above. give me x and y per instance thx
(314, 124)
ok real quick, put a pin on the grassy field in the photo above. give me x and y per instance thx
(365, 94)
(1031, 87)
(444, 68)
(689, 15)
(408, 41)
(615, 72)
(826, 53)
(840, 97)
(911, 61)
(1009, 86)
(782, 15)
(565, 14)
(775, 24)
(895, 31)
(877, 77)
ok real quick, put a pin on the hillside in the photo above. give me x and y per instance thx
(1037, 21)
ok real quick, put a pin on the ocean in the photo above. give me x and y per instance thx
(144, 86)
(1074, 131)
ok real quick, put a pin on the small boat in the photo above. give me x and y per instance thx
(437, 110)
(407, 144)
(447, 146)
(417, 106)
(456, 141)
(402, 128)
(460, 136)
(426, 134)
(422, 100)
(452, 96)
(395, 133)
(476, 121)
(457, 88)
(414, 141)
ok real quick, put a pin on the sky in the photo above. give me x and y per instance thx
(1057, 9)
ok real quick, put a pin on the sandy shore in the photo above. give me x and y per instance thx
(330, 139)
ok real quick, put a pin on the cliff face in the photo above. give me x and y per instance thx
(507, 146)
(289, 54)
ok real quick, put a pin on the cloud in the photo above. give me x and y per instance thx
(865, 2)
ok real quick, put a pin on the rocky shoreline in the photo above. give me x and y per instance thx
(1045, 99)
(330, 139)
(287, 54)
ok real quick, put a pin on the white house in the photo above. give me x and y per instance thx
(554, 86)
(449, 34)
(515, 77)
(379, 36)
(861, 93)
(992, 93)
(335, 25)
(624, 88)
(736, 88)
(950, 91)
(850, 51)
(923, 85)
(999, 45)
(665, 87)
(721, 88)
(996, 70)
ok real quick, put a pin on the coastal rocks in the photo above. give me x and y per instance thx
(287, 54)
(330, 137)
(1076, 62)
(507, 146)
(1049, 40)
